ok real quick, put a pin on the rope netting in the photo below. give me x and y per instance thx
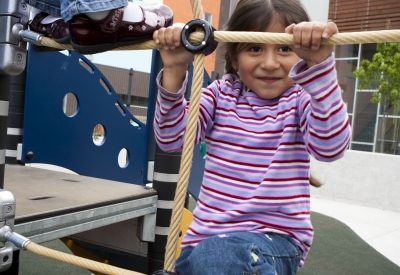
(187, 153)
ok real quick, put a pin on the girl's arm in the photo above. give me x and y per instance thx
(172, 108)
(322, 113)
(172, 113)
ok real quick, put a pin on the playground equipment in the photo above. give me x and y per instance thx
(69, 204)
(39, 126)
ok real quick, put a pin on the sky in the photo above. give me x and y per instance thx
(138, 60)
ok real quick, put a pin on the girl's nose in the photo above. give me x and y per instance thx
(269, 60)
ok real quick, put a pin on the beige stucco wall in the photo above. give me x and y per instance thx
(362, 178)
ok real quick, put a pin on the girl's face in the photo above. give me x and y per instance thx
(264, 68)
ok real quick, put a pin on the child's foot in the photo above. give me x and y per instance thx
(51, 27)
(90, 36)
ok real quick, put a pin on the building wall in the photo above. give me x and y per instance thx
(367, 119)
(364, 15)
(360, 178)
(183, 13)
(364, 178)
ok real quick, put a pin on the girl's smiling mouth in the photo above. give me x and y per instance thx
(269, 79)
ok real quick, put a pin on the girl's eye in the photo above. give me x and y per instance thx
(284, 49)
(255, 49)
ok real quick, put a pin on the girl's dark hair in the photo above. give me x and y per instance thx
(257, 15)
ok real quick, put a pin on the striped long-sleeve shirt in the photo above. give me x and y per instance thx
(257, 168)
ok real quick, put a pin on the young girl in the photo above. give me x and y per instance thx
(276, 105)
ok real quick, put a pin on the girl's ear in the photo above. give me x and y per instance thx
(235, 65)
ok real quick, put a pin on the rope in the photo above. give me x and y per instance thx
(259, 37)
(197, 9)
(186, 163)
(78, 261)
(284, 38)
(187, 152)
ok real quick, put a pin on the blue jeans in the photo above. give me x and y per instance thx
(68, 8)
(241, 253)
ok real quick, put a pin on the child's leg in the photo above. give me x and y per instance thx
(241, 253)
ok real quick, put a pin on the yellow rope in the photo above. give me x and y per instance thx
(197, 9)
(284, 38)
(259, 37)
(187, 152)
(78, 261)
(186, 163)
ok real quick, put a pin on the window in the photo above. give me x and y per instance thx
(375, 127)
(208, 17)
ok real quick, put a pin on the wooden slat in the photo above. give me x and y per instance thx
(364, 15)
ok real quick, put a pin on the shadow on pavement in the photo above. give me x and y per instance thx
(337, 250)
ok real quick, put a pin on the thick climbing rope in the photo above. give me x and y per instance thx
(258, 37)
(78, 261)
(186, 163)
(187, 153)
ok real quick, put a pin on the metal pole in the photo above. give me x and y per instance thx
(15, 122)
(165, 180)
(165, 177)
(128, 100)
(14, 16)
(5, 83)
(13, 19)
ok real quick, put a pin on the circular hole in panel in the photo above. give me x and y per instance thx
(123, 158)
(70, 105)
(99, 134)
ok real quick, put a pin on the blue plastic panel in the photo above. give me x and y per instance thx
(54, 138)
(57, 139)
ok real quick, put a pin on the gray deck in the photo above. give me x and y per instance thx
(51, 205)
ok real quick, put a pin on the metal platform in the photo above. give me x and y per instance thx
(51, 205)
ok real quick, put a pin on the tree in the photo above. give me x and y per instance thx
(383, 74)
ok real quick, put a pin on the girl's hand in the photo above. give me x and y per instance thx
(307, 38)
(172, 52)
(175, 57)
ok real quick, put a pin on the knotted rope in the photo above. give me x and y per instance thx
(187, 153)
